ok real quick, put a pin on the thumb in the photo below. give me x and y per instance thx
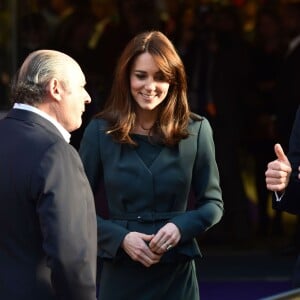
(280, 154)
(146, 237)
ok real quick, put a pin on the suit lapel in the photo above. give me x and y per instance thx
(35, 119)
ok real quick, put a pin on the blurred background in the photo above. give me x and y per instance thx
(243, 72)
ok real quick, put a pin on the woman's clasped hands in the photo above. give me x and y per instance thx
(149, 248)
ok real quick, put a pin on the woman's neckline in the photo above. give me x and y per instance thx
(140, 134)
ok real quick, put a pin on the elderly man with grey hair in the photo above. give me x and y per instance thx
(48, 235)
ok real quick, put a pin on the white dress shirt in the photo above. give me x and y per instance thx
(66, 135)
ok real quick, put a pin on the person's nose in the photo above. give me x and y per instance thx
(150, 85)
(87, 98)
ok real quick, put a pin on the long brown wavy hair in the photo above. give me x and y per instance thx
(173, 115)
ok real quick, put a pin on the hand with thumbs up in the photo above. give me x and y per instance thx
(278, 171)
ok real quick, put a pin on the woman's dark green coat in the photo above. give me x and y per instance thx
(143, 199)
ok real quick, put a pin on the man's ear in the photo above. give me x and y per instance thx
(55, 89)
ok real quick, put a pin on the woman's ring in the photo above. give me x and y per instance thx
(169, 247)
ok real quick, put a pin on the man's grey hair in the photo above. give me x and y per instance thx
(30, 83)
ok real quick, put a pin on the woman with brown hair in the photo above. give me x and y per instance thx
(149, 151)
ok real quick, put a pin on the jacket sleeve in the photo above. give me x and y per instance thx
(205, 182)
(290, 200)
(110, 234)
(90, 155)
(68, 222)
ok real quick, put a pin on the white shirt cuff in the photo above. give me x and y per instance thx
(278, 198)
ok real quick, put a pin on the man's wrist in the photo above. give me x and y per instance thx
(279, 195)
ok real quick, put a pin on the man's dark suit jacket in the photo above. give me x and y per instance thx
(48, 236)
(287, 95)
(290, 201)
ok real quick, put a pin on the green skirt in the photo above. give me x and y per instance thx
(127, 280)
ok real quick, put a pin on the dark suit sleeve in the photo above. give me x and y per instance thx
(68, 221)
(208, 197)
(290, 201)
